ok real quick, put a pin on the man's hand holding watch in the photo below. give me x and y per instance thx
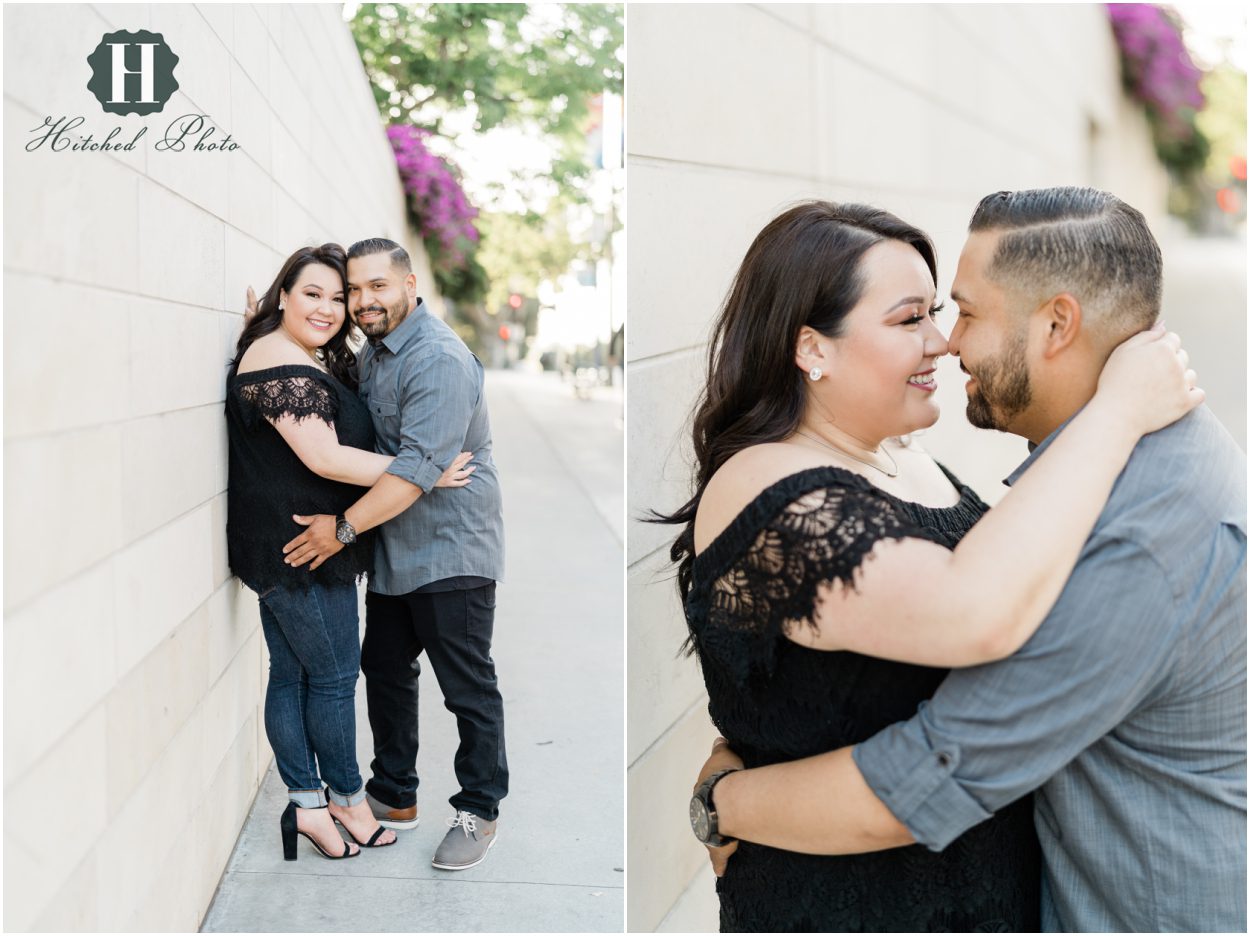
(704, 820)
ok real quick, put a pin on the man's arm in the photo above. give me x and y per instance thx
(990, 735)
(437, 399)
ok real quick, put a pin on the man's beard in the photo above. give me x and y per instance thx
(391, 317)
(1002, 390)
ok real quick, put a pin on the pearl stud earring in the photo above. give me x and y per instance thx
(815, 373)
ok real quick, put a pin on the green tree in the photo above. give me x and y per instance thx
(497, 64)
(522, 251)
(1223, 120)
(447, 66)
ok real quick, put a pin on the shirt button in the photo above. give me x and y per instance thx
(943, 759)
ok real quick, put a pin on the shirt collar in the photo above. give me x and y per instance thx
(1035, 451)
(406, 331)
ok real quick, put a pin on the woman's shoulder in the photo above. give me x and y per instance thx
(762, 479)
(744, 477)
(275, 351)
(275, 383)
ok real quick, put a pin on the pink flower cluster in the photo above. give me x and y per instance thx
(442, 212)
(1157, 68)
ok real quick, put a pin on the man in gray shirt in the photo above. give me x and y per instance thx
(439, 552)
(1125, 712)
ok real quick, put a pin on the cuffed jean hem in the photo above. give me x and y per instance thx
(347, 799)
(306, 799)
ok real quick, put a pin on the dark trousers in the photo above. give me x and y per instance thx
(454, 630)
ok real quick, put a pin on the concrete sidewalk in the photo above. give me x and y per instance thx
(559, 653)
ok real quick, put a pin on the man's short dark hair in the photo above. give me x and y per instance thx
(376, 245)
(1080, 241)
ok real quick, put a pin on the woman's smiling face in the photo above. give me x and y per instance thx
(314, 309)
(881, 374)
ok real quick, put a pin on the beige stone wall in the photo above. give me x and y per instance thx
(134, 664)
(737, 110)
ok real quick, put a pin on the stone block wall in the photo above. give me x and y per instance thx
(734, 112)
(134, 664)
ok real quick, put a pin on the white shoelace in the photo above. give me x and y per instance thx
(466, 821)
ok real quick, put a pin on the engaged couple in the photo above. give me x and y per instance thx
(937, 716)
(340, 469)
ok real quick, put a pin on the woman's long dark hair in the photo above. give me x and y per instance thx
(338, 356)
(802, 269)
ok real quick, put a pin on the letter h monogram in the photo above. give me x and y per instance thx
(147, 70)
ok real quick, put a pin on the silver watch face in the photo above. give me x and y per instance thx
(699, 820)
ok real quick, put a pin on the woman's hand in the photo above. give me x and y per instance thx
(1147, 383)
(457, 475)
(249, 312)
(721, 758)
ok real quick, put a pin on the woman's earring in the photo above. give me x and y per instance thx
(815, 373)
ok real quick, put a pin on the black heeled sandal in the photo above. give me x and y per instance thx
(290, 829)
(373, 839)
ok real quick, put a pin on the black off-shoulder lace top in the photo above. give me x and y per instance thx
(268, 483)
(777, 701)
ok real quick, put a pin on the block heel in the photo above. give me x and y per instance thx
(290, 829)
(289, 832)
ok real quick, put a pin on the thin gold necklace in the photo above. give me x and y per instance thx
(840, 451)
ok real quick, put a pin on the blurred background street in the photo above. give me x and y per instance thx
(1204, 301)
(558, 865)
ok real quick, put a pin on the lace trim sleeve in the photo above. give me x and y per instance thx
(819, 537)
(297, 396)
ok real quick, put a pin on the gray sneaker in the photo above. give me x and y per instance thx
(466, 842)
(391, 818)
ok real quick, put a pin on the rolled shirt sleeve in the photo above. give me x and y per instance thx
(437, 400)
(995, 732)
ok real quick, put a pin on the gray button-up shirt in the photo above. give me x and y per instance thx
(426, 393)
(1126, 711)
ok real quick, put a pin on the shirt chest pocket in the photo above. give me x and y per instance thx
(382, 408)
(381, 395)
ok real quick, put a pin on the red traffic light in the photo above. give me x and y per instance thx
(504, 333)
(514, 301)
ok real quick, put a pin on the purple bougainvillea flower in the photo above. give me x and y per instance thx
(1157, 68)
(440, 210)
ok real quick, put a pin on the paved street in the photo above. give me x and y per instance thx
(558, 864)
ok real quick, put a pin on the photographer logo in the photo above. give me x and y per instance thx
(132, 73)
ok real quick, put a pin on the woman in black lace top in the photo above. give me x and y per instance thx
(301, 443)
(831, 570)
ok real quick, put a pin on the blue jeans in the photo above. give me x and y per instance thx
(310, 703)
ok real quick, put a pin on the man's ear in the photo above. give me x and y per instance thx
(410, 285)
(1062, 320)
